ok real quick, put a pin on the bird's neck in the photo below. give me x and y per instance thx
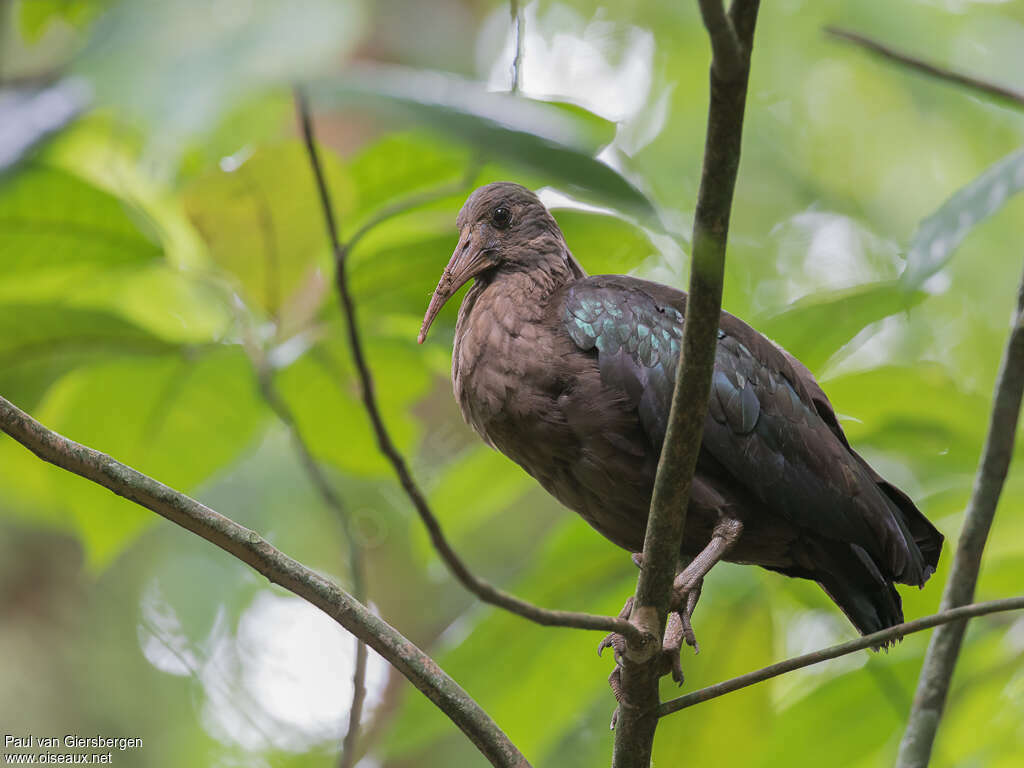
(524, 288)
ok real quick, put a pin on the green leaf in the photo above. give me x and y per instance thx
(36, 16)
(56, 227)
(940, 234)
(177, 418)
(818, 326)
(603, 244)
(40, 343)
(537, 135)
(262, 221)
(179, 66)
(918, 412)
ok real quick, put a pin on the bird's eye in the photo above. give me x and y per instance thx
(501, 216)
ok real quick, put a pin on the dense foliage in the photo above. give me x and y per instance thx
(163, 247)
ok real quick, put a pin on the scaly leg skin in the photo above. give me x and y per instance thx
(687, 585)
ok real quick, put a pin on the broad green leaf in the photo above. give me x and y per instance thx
(263, 223)
(54, 226)
(399, 165)
(41, 342)
(575, 569)
(323, 392)
(918, 412)
(178, 66)
(152, 413)
(603, 244)
(35, 16)
(940, 234)
(819, 325)
(534, 134)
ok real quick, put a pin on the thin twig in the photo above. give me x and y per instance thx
(482, 589)
(842, 649)
(252, 549)
(944, 648)
(1001, 92)
(517, 39)
(638, 704)
(357, 565)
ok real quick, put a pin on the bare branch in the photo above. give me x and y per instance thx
(1000, 92)
(357, 565)
(252, 549)
(638, 718)
(726, 51)
(842, 649)
(944, 648)
(482, 589)
(517, 37)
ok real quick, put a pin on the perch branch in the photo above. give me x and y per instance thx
(842, 649)
(944, 648)
(1003, 93)
(421, 670)
(638, 709)
(482, 589)
(357, 565)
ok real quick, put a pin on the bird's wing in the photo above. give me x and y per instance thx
(763, 426)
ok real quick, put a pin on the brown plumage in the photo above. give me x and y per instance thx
(571, 377)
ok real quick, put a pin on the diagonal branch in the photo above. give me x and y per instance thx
(357, 565)
(1000, 92)
(482, 589)
(944, 648)
(842, 649)
(638, 710)
(280, 569)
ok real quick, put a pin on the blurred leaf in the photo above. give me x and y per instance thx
(30, 115)
(178, 66)
(538, 135)
(399, 165)
(575, 569)
(262, 220)
(324, 394)
(152, 413)
(940, 234)
(819, 325)
(40, 343)
(36, 15)
(917, 411)
(54, 226)
(603, 244)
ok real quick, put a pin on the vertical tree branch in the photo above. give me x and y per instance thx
(357, 566)
(517, 41)
(246, 545)
(944, 647)
(638, 711)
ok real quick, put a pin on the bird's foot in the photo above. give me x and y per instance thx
(684, 600)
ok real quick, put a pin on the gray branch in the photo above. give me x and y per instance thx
(960, 614)
(944, 648)
(421, 670)
(638, 708)
(1003, 93)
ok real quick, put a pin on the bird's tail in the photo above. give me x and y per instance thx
(853, 581)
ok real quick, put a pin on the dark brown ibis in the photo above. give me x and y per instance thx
(571, 377)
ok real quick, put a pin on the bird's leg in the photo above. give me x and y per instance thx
(687, 585)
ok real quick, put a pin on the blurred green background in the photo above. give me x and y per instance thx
(169, 241)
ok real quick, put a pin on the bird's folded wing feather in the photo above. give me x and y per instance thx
(763, 425)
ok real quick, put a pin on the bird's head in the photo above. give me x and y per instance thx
(501, 226)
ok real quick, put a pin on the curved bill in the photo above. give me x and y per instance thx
(466, 263)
